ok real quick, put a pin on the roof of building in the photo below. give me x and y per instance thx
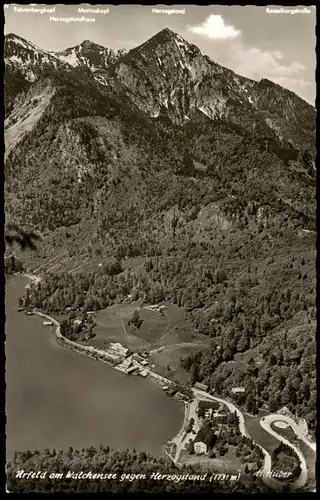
(238, 389)
(200, 443)
(136, 356)
(127, 362)
(131, 369)
(201, 386)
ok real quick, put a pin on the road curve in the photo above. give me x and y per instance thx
(283, 418)
(266, 422)
(267, 463)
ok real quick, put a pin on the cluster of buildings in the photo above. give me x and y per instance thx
(211, 413)
(134, 363)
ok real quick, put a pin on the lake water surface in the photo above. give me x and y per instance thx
(56, 398)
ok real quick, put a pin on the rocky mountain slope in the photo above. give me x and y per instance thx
(198, 181)
(89, 54)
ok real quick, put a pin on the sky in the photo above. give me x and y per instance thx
(255, 42)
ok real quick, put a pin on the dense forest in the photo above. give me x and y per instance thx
(12, 265)
(285, 460)
(121, 463)
(242, 290)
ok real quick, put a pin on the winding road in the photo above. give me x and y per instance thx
(265, 423)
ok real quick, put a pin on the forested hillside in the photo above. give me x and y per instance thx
(122, 464)
(206, 201)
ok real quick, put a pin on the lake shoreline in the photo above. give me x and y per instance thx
(51, 386)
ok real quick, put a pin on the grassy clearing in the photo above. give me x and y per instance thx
(112, 327)
(170, 330)
(157, 330)
(156, 324)
(259, 435)
(169, 357)
(286, 432)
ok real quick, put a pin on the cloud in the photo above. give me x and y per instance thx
(215, 28)
(256, 63)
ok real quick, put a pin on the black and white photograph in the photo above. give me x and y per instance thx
(160, 248)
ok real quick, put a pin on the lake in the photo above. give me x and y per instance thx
(56, 398)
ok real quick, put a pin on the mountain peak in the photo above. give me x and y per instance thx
(16, 42)
(165, 38)
(11, 37)
(166, 33)
(88, 43)
(167, 30)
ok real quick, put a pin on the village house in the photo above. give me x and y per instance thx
(120, 349)
(127, 363)
(238, 390)
(47, 323)
(138, 358)
(200, 447)
(208, 413)
(202, 387)
(157, 308)
(204, 440)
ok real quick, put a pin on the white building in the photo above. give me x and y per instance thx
(120, 349)
(237, 390)
(200, 447)
(47, 323)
